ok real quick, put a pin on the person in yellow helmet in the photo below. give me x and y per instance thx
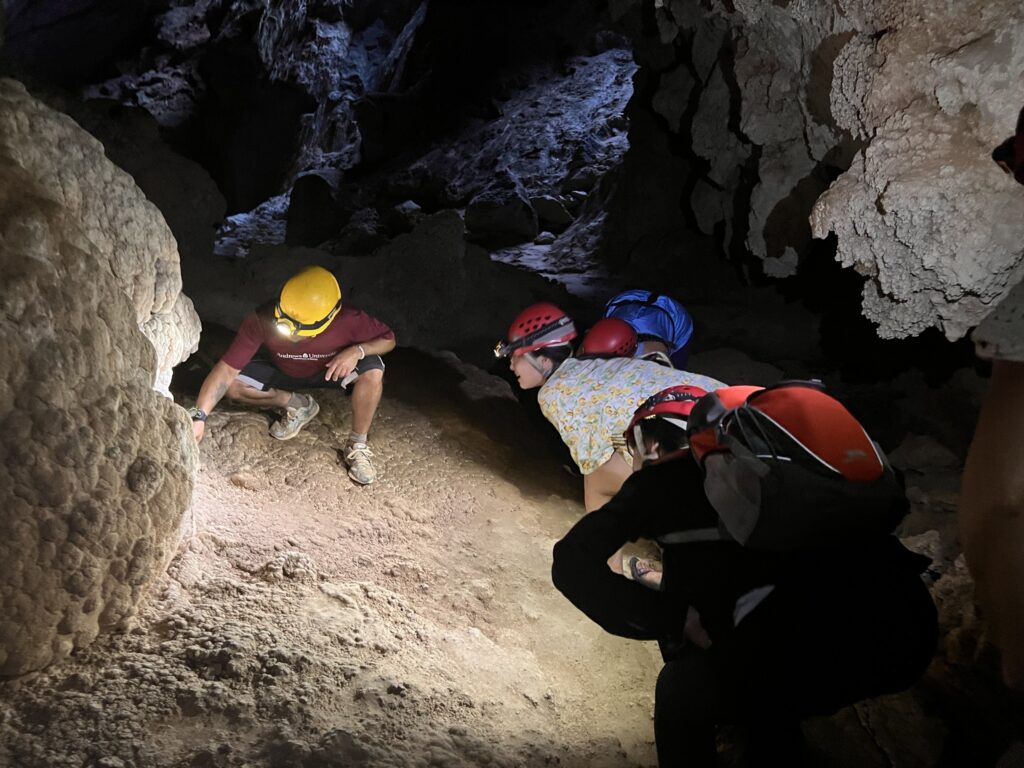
(310, 341)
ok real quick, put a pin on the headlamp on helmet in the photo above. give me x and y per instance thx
(537, 326)
(308, 303)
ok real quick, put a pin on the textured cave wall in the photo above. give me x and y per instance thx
(902, 101)
(260, 91)
(97, 466)
(924, 212)
(121, 226)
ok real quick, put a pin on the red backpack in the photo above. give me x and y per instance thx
(789, 468)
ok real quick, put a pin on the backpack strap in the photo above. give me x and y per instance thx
(692, 536)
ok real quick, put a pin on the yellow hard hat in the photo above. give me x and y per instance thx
(309, 301)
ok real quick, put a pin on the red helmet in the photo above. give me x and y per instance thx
(610, 337)
(703, 424)
(539, 325)
(672, 405)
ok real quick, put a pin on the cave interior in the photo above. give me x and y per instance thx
(453, 161)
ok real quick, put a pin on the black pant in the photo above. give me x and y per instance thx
(809, 649)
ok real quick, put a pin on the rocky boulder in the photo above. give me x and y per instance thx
(98, 467)
(500, 215)
(313, 214)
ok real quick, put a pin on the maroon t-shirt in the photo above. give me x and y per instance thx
(306, 356)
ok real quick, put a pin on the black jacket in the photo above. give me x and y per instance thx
(710, 576)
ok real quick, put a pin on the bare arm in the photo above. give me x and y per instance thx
(377, 346)
(345, 361)
(214, 387)
(992, 514)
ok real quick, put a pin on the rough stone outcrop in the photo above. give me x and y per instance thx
(902, 101)
(97, 466)
(923, 211)
(562, 132)
(285, 74)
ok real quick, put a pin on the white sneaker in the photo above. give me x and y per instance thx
(294, 419)
(360, 469)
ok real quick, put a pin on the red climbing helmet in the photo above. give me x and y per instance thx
(537, 326)
(672, 405)
(610, 337)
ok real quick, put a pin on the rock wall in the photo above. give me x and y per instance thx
(901, 101)
(924, 212)
(97, 466)
(260, 91)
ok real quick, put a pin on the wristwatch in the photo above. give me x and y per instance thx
(197, 414)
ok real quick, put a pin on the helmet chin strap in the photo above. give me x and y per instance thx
(537, 365)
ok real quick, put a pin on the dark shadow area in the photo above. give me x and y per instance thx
(245, 132)
(70, 42)
(849, 340)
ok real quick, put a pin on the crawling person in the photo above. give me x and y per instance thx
(310, 342)
(664, 328)
(588, 400)
(760, 640)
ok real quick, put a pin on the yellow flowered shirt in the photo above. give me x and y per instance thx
(591, 402)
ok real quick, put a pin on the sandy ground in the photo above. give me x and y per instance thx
(307, 622)
(310, 622)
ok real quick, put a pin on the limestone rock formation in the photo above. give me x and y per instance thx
(923, 211)
(120, 225)
(901, 101)
(285, 74)
(97, 466)
(560, 133)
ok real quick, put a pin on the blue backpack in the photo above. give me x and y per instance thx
(653, 315)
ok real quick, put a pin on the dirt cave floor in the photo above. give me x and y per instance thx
(307, 621)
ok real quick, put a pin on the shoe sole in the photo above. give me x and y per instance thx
(316, 410)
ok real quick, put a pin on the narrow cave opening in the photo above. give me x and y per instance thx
(452, 162)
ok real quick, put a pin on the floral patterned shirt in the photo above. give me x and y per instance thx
(591, 402)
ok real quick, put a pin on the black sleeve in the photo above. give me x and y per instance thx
(580, 572)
